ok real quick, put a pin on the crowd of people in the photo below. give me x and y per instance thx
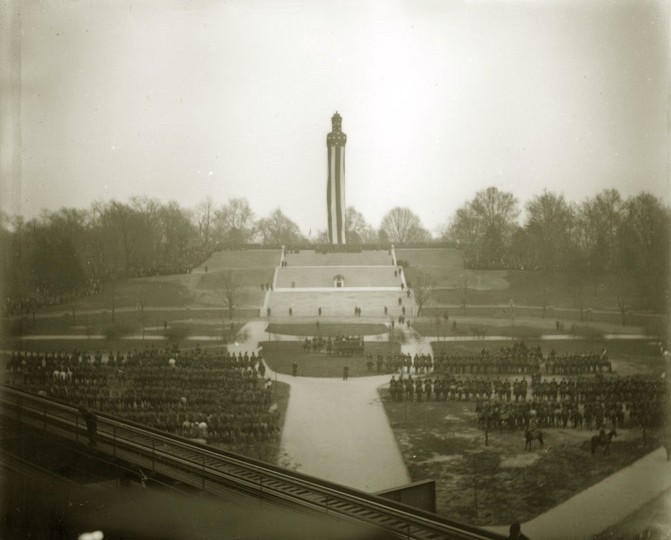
(217, 396)
(583, 403)
(524, 360)
(574, 414)
(29, 304)
(337, 346)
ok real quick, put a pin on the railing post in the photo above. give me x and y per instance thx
(77, 428)
(153, 456)
(44, 418)
(114, 440)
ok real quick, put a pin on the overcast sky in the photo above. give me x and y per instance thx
(183, 99)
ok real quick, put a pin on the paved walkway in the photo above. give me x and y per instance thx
(338, 430)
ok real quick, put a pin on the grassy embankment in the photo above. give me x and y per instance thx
(191, 304)
(540, 298)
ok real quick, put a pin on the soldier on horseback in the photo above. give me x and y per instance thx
(603, 439)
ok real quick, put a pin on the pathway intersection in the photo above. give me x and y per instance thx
(334, 429)
(337, 430)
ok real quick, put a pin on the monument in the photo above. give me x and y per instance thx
(335, 188)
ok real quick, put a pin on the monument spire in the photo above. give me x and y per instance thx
(335, 188)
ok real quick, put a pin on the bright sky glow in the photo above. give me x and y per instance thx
(184, 99)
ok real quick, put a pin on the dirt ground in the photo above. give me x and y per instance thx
(500, 482)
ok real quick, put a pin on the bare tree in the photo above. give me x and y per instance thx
(231, 290)
(463, 228)
(278, 229)
(422, 288)
(235, 221)
(644, 249)
(597, 223)
(204, 216)
(485, 224)
(402, 225)
(321, 237)
(177, 232)
(549, 223)
(358, 231)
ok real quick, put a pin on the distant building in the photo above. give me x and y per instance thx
(335, 188)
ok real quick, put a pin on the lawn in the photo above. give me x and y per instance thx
(477, 328)
(247, 277)
(197, 288)
(281, 355)
(446, 267)
(92, 345)
(242, 259)
(499, 483)
(563, 293)
(527, 287)
(166, 291)
(327, 329)
(198, 321)
(651, 323)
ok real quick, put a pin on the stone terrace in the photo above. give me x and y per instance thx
(364, 258)
(322, 276)
(339, 303)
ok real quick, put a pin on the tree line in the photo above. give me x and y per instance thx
(618, 243)
(67, 253)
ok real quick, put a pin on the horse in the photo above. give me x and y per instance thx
(603, 439)
(531, 435)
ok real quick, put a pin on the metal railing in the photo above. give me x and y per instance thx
(218, 472)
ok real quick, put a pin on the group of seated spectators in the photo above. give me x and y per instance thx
(188, 259)
(22, 305)
(217, 396)
(337, 346)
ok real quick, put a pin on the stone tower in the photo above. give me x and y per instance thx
(335, 188)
